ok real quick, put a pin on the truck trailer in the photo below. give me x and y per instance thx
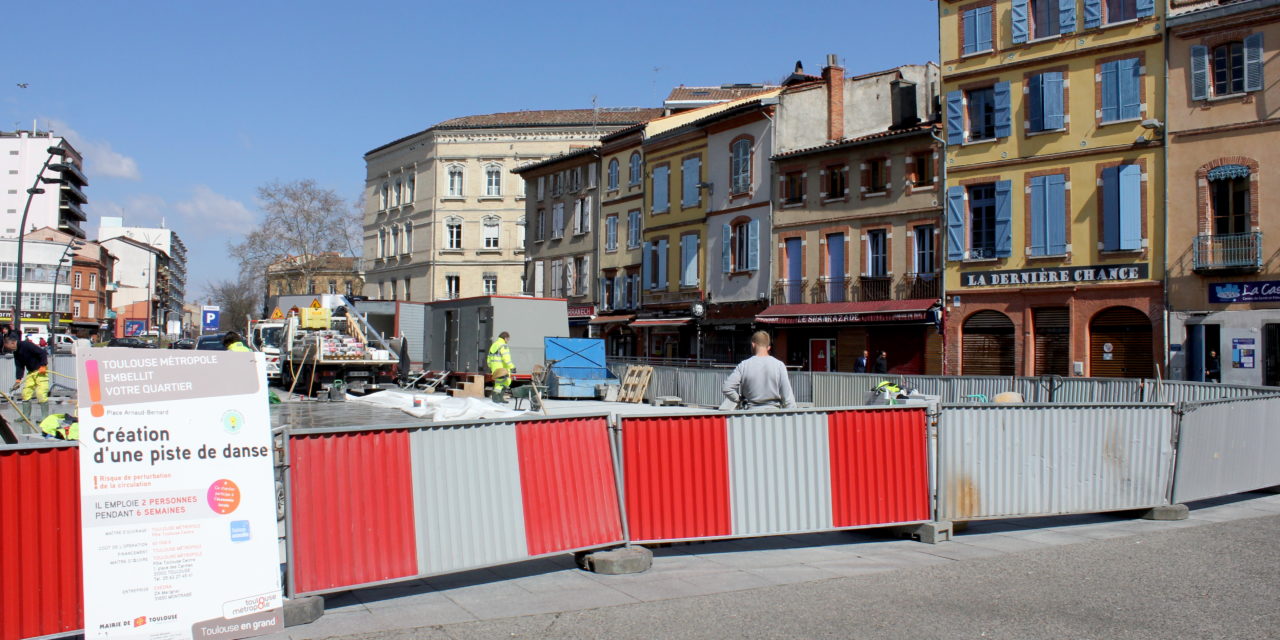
(462, 330)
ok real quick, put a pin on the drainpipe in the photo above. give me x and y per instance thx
(1164, 182)
(942, 195)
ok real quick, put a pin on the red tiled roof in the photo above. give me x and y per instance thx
(715, 94)
(850, 142)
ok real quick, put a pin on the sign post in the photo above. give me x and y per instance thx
(209, 318)
(177, 496)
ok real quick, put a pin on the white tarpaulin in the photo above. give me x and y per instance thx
(437, 407)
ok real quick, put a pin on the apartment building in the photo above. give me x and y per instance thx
(1054, 186)
(87, 270)
(160, 278)
(60, 201)
(1224, 261)
(622, 217)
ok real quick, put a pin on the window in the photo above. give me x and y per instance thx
(689, 261)
(633, 229)
(346, 289)
(405, 293)
(453, 231)
(542, 184)
(411, 189)
(93, 282)
(75, 309)
(740, 249)
(382, 243)
(922, 169)
(582, 275)
(654, 265)
(333, 287)
(690, 178)
(635, 169)
(1045, 102)
(740, 166)
(986, 209)
(875, 176)
(522, 233)
(491, 284)
(557, 183)
(491, 229)
(1229, 68)
(1229, 200)
(661, 196)
(394, 247)
(613, 174)
(976, 29)
(582, 215)
(557, 221)
(1116, 11)
(452, 287)
(455, 182)
(1048, 215)
(793, 187)
(1120, 86)
(923, 261)
(93, 310)
(1121, 10)
(77, 279)
(311, 287)
(408, 238)
(978, 114)
(557, 279)
(575, 179)
(611, 233)
(1122, 208)
(540, 226)
(877, 253)
(1042, 18)
(493, 181)
(384, 196)
(1046, 17)
(836, 182)
(982, 113)
(982, 221)
(398, 194)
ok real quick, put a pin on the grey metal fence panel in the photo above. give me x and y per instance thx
(1023, 460)
(64, 364)
(780, 473)
(802, 385)
(1227, 447)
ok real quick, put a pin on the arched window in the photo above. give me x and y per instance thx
(635, 173)
(491, 231)
(455, 181)
(613, 174)
(493, 180)
(987, 345)
(740, 166)
(453, 232)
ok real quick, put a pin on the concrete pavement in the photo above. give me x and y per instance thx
(1212, 575)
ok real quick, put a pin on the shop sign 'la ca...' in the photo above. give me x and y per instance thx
(1047, 276)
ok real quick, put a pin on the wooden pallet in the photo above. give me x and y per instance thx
(635, 382)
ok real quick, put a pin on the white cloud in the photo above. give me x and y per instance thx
(208, 208)
(100, 158)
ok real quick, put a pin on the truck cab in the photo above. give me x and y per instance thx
(267, 336)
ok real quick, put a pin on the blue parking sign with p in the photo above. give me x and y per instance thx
(210, 321)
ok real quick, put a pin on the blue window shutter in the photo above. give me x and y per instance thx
(955, 117)
(1130, 207)
(726, 248)
(1051, 86)
(984, 27)
(1110, 91)
(1253, 62)
(753, 245)
(1055, 214)
(1004, 219)
(1039, 224)
(1111, 208)
(1067, 15)
(969, 21)
(1145, 8)
(1130, 88)
(1004, 127)
(1018, 15)
(1200, 72)
(1092, 14)
(662, 264)
(646, 264)
(955, 223)
(1035, 106)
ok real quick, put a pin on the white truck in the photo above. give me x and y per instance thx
(266, 336)
(321, 346)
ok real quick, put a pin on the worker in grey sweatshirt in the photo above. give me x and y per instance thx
(761, 380)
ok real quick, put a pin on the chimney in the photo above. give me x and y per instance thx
(903, 96)
(833, 76)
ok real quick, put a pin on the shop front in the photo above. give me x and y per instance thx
(1236, 333)
(832, 336)
(727, 329)
(619, 337)
(667, 338)
(580, 316)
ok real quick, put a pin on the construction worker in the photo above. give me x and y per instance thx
(500, 365)
(62, 426)
(232, 342)
(34, 362)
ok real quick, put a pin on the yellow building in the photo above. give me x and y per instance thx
(621, 216)
(1054, 203)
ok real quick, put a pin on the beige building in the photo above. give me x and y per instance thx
(1223, 261)
(313, 275)
(444, 216)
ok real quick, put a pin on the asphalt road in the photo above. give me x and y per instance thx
(1211, 581)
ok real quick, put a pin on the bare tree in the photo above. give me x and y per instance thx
(236, 300)
(302, 220)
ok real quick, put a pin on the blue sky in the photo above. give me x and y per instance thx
(184, 108)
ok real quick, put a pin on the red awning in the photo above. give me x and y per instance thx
(848, 312)
(661, 322)
(611, 319)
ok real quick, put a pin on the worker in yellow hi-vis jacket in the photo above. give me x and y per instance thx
(500, 365)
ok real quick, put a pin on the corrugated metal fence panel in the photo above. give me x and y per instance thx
(41, 584)
(1227, 447)
(61, 363)
(879, 466)
(779, 475)
(1017, 460)
(352, 509)
(676, 477)
(467, 497)
(570, 493)
(802, 385)
(1182, 391)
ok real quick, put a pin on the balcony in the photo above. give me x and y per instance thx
(920, 285)
(1239, 252)
(910, 286)
(872, 288)
(671, 297)
(73, 210)
(790, 291)
(831, 289)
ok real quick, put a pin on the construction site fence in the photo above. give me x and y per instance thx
(703, 386)
(367, 506)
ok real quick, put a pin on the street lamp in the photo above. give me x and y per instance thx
(76, 244)
(22, 226)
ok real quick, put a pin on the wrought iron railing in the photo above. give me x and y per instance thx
(1235, 251)
(921, 285)
(789, 291)
(871, 288)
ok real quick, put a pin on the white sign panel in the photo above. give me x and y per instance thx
(177, 495)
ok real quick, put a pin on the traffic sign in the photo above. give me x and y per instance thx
(209, 318)
(277, 314)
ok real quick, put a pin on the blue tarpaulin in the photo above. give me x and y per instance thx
(577, 365)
